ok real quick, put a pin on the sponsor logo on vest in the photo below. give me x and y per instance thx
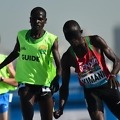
(30, 58)
(43, 49)
(93, 77)
(85, 67)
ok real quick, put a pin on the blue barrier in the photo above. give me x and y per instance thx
(75, 101)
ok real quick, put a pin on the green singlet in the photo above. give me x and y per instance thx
(4, 87)
(35, 64)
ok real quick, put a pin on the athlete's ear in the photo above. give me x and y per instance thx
(45, 20)
(81, 31)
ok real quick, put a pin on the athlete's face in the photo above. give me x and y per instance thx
(74, 38)
(76, 41)
(38, 20)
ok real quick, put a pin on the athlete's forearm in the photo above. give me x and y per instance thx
(62, 104)
(9, 59)
(63, 98)
(10, 81)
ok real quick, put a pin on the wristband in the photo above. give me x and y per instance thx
(112, 75)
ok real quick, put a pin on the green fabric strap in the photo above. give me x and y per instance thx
(72, 53)
(88, 42)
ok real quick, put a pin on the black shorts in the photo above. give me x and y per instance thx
(96, 96)
(40, 92)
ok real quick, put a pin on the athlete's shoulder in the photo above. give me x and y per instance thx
(51, 34)
(67, 54)
(96, 41)
(68, 59)
(23, 33)
(93, 39)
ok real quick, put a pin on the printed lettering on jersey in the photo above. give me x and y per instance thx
(89, 65)
(30, 58)
(90, 72)
(43, 49)
(93, 78)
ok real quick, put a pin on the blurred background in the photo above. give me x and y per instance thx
(94, 17)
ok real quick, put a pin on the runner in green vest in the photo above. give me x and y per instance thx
(36, 51)
(7, 85)
(87, 55)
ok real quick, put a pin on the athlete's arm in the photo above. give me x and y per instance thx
(55, 82)
(10, 81)
(12, 56)
(11, 70)
(64, 89)
(100, 43)
(56, 56)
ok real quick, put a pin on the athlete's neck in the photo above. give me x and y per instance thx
(37, 34)
(81, 50)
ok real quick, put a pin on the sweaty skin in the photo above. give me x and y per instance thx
(73, 35)
(38, 20)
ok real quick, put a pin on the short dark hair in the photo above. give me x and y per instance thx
(34, 10)
(71, 29)
(71, 25)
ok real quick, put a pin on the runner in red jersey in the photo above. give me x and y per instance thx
(86, 55)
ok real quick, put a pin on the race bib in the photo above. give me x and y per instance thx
(93, 78)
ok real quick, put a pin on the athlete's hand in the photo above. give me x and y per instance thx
(55, 84)
(57, 113)
(114, 83)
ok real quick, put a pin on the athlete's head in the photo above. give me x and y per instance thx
(71, 30)
(38, 18)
